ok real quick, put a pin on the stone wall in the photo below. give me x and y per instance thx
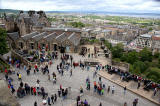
(22, 59)
(120, 64)
(6, 98)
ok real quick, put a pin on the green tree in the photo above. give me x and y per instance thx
(77, 24)
(117, 51)
(153, 74)
(3, 44)
(124, 57)
(156, 54)
(140, 66)
(145, 55)
(132, 57)
(108, 45)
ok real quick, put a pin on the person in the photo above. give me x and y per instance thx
(155, 91)
(34, 71)
(49, 101)
(12, 88)
(81, 90)
(135, 102)
(48, 77)
(19, 76)
(6, 76)
(71, 73)
(85, 103)
(55, 97)
(102, 91)
(59, 93)
(35, 103)
(113, 89)
(100, 104)
(25, 68)
(125, 90)
(34, 91)
(88, 68)
(52, 99)
(95, 74)
(54, 80)
(37, 86)
(95, 86)
(139, 84)
(125, 103)
(38, 81)
(108, 89)
(28, 71)
(78, 99)
(21, 84)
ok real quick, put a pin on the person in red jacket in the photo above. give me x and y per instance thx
(34, 90)
(6, 71)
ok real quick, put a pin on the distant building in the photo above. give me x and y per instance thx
(104, 34)
(26, 22)
(2, 26)
(144, 41)
(156, 43)
(86, 33)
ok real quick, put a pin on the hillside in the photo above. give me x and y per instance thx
(8, 11)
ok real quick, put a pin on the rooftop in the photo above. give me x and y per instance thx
(51, 36)
(146, 35)
(106, 30)
(61, 29)
(155, 37)
(14, 35)
(39, 36)
(30, 35)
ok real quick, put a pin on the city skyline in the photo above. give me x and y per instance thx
(138, 6)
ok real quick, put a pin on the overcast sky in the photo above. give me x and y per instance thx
(84, 5)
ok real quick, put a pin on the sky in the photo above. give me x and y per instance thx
(138, 6)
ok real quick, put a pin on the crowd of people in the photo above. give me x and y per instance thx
(66, 64)
(126, 76)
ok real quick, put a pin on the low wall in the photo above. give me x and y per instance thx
(22, 59)
(121, 64)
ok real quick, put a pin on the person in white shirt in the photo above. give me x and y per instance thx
(113, 89)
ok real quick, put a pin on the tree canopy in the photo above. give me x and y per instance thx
(117, 51)
(145, 55)
(77, 24)
(3, 44)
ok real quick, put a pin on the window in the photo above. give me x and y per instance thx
(21, 45)
(32, 45)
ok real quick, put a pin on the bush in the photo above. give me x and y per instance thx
(153, 74)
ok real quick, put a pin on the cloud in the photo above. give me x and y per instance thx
(157, 0)
(84, 5)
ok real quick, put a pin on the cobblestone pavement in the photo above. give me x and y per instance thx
(77, 80)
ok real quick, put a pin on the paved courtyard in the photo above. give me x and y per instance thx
(77, 80)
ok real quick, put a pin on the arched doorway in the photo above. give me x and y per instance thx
(62, 49)
(55, 48)
(67, 48)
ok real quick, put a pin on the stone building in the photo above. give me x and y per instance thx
(156, 43)
(10, 24)
(31, 21)
(144, 40)
(65, 40)
(26, 22)
(34, 33)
